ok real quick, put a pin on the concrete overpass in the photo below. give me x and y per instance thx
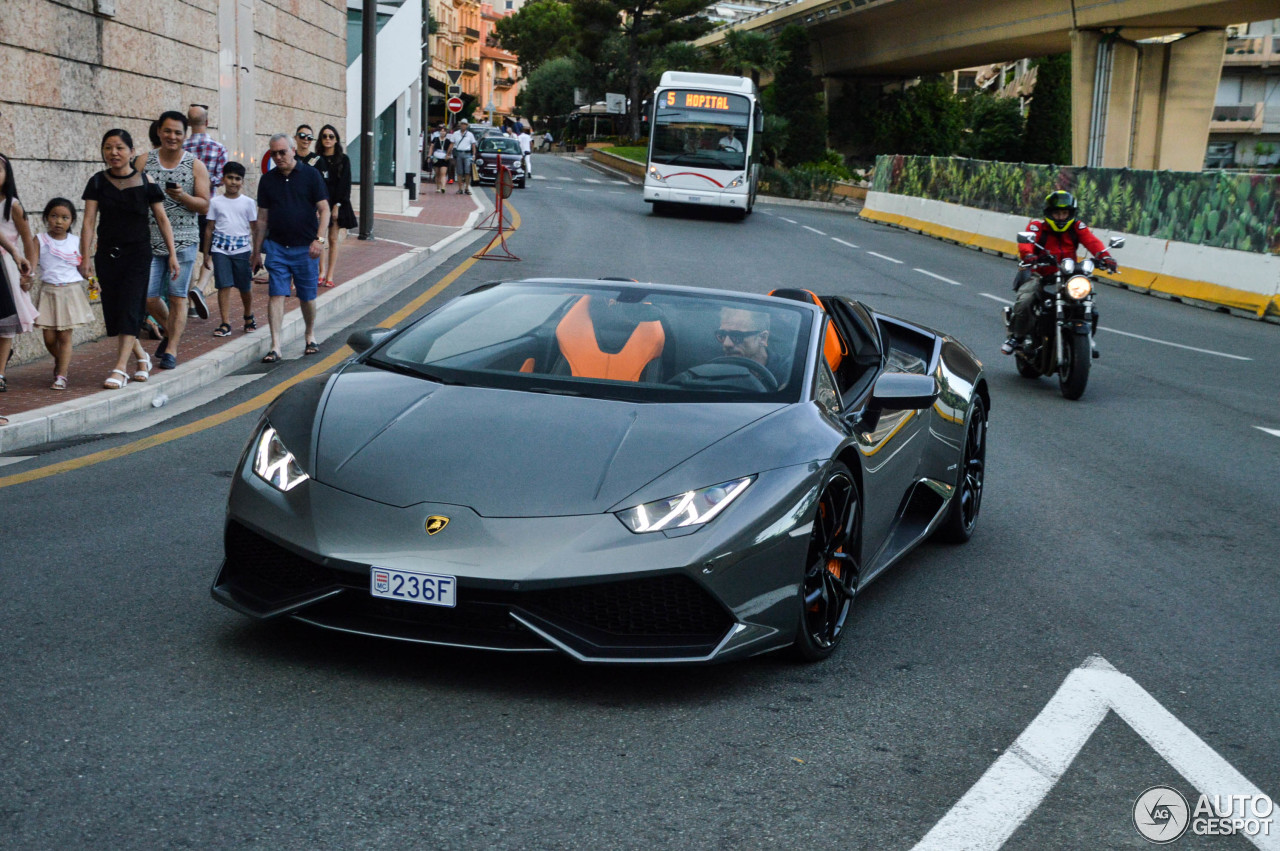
(1135, 103)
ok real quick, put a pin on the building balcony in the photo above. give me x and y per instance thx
(471, 67)
(471, 34)
(1237, 118)
(1256, 50)
(504, 82)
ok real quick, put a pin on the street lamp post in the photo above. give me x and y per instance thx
(368, 69)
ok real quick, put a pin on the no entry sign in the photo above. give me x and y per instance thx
(454, 104)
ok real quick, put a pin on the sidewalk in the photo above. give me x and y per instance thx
(401, 249)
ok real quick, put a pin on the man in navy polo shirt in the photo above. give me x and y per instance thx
(293, 218)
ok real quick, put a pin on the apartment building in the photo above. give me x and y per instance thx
(1245, 130)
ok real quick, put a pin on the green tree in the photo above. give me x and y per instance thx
(795, 93)
(1048, 136)
(542, 30)
(748, 54)
(646, 26)
(926, 119)
(996, 129)
(548, 90)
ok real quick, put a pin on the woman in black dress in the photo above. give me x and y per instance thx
(125, 197)
(335, 168)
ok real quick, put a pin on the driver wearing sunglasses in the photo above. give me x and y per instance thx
(744, 334)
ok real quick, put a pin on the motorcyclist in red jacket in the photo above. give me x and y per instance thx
(1060, 234)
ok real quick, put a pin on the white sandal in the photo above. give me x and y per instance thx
(60, 383)
(143, 369)
(114, 383)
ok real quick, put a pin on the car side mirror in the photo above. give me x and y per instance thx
(363, 341)
(899, 391)
(1026, 237)
(1116, 242)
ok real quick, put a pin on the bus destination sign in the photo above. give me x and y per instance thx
(698, 100)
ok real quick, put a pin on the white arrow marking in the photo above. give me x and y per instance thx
(1018, 781)
(1275, 432)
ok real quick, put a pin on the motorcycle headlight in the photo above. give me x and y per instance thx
(692, 508)
(275, 464)
(1079, 287)
(654, 173)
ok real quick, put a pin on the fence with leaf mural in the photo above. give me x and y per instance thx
(1221, 209)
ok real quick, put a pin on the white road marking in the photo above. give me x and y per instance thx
(591, 180)
(995, 298)
(1014, 786)
(884, 257)
(815, 230)
(1175, 345)
(561, 177)
(586, 190)
(1274, 432)
(842, 242)
(15, 459)
(939, 277)
(538, 176)
(788, 221)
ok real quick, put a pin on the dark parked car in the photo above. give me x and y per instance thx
(620, 472)
(506, 149)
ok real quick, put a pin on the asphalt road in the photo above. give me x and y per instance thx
(1138, 524)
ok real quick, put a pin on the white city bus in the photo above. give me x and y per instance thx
(703, 141)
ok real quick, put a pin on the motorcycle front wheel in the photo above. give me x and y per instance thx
(1073, 372)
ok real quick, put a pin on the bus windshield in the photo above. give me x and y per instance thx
(701, 129)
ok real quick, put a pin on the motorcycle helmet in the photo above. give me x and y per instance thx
(1057, 202)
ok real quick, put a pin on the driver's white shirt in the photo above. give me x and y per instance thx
(731, 143)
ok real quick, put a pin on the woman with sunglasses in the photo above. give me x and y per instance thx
(302, 139)
(335, 168)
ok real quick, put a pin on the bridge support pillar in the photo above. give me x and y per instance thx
(1143, 105)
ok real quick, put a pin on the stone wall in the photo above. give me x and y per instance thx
(70, 74)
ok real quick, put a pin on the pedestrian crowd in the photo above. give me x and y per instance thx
(155, 225)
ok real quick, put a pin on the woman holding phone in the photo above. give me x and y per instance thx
(186, 187)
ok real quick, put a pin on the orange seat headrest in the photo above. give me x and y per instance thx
(579, 339)
(833, 347)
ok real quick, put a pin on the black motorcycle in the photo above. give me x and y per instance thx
(1064, 321)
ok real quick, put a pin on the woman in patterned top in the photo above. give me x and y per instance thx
(186, 183)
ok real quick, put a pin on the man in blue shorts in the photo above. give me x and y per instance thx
(293, 218)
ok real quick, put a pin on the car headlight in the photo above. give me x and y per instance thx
(654, 173)
(1079, 287)
(275, 464)
(691, 508)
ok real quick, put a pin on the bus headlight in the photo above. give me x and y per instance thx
(737, 181)
(655, 174)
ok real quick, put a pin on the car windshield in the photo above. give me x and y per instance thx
(499, 144)
(610, 341)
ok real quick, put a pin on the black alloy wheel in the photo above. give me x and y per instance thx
(831, 569)
(962, 516)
